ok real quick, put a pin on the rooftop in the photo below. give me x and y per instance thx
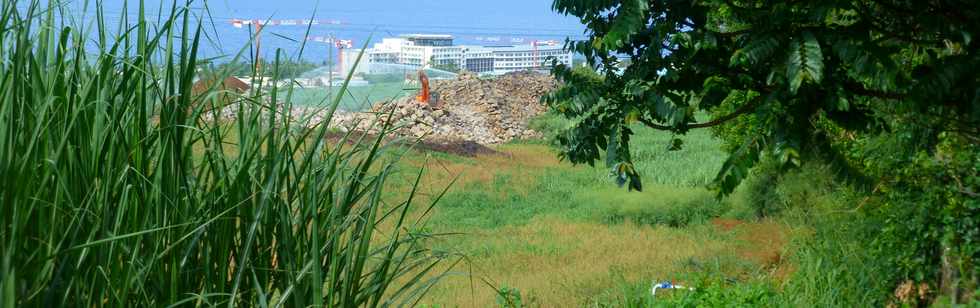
(522, 47)
(427, 36)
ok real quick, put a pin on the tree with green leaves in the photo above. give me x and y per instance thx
(885, 89)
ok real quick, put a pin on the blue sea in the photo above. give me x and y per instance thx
(498, 22)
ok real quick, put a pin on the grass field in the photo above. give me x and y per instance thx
(537, 232)
(557, 235)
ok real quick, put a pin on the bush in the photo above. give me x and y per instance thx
(550, 125)
(769, 192)
(760, 192)
(669, 206)
(834, 266)
(508, 297)
(931, 222)
(710, 293)
(830, 256)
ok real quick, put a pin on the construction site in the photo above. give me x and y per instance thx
(468, 108)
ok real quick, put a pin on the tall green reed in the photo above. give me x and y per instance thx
(120, 186)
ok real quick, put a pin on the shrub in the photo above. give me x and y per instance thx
(768, 192)
(673, 207)
(550, 125)
(509, 297)
(710, 293)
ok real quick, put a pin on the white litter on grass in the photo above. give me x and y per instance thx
(667, 285)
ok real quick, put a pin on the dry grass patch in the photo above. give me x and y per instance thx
(564, 264)
(519, 162)
(760, 242)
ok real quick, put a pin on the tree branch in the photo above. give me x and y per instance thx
(853, 87)
(718, 121)
(653, 125)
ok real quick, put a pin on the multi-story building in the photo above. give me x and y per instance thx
(413, 51)
(534, 56)
(478, 59)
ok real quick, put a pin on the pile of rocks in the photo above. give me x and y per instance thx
(485, 111)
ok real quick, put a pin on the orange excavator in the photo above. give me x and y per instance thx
(424, 96)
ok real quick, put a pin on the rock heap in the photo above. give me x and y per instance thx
(485, 111)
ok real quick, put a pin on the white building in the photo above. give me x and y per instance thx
(413, 51)
(505, 59)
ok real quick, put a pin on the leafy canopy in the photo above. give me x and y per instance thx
(794, 75)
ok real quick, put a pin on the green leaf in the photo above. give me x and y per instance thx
(805, 62)
(635, 183)
(736, 167)
(632, 117)
(8, 291)
(626, 173)
(630, 19)
(755, 51)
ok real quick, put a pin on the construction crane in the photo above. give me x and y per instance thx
(259, 24)
(340, 44)
(536, 56)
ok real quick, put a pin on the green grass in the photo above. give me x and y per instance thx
(695, 165)
(830, 256)
(675, 183)
(522, 216)
(659, 205)
(353, 98)
(117, 192)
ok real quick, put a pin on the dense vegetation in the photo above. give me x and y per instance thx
(885, 92)
(117, 189)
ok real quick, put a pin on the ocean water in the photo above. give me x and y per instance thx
(497, 22)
